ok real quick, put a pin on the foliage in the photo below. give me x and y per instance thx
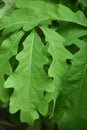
(43, 68)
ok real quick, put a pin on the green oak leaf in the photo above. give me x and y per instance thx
(30, 81)
(59, 55)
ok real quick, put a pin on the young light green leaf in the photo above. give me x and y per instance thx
(30, 81)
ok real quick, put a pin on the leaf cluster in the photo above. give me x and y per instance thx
(43, 62)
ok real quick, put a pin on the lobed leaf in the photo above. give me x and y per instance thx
(59, 55)
(30, 81)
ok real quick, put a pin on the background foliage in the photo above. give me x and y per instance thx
(43, 64)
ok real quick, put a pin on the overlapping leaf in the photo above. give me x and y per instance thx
(38, 11)
(7, 49)
(71, 106)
